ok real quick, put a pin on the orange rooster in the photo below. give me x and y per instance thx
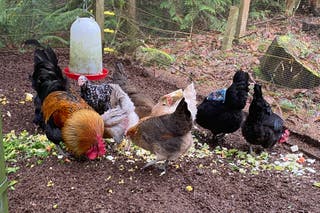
(67, 117)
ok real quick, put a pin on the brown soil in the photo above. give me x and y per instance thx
(119, 186)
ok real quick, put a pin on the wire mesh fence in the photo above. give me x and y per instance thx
(292, 64)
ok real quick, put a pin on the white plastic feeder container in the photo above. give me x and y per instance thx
(85, 47)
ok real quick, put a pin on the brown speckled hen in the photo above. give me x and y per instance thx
(167, 135)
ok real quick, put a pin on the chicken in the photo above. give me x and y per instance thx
(142, 102)
(167, 103)
(38, 118)
(66, 117)
(97, 96)
(43, 58)
(221, 112)
(262, 126)
(114, 105)
(169, 135)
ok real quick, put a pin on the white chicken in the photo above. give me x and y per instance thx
(116, 108)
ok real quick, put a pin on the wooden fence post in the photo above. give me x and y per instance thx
(243, 17)
(291, 6)
(231, 28)
(100, 18)
(132, 12)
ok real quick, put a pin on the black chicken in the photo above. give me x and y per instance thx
(221, 112)
(262, 126)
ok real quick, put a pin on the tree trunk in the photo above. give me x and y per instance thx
(132, 27)
(231, 28)
(100, 18)
(243, 18)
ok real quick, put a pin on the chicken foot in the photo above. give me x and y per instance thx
(218, 139)
(162, 167)
(62, 152)
(250, 149)
(149, 164)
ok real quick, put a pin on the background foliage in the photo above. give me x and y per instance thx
(51, 20)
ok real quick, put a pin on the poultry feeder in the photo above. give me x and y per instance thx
(85, 50)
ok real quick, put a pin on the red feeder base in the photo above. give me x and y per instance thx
(90, 77)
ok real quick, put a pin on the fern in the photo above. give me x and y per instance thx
(24, 19)
(262, 9)
(191, 12)
(59, 21)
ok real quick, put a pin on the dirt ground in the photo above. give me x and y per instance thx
(118, 185)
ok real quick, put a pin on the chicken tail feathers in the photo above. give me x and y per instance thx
(47, 76)
(119, 76)
(33, 42)
(187, 105)
(182, 118)
(190, 94)
(240, 76)
(257, 91)
(42, 52)
(237, 93)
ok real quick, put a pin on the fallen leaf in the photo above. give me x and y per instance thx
(67, 160)
(316, 184)
(121, 167)
(189, 188)
(29, 96)
(278, 168)
(48, 148)
(50, 183)
(12, 183)
(301, 160)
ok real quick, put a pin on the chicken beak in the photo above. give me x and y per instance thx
(81, 82)
(251, 79)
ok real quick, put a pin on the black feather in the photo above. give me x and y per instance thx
(47, 77)
(97, 96)
(225, 117)
(262, 126)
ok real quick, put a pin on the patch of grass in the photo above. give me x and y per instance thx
(244, 162)
(12, 183)
(257, 71)
(262, 47)
(24, 146)
(287, 105)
